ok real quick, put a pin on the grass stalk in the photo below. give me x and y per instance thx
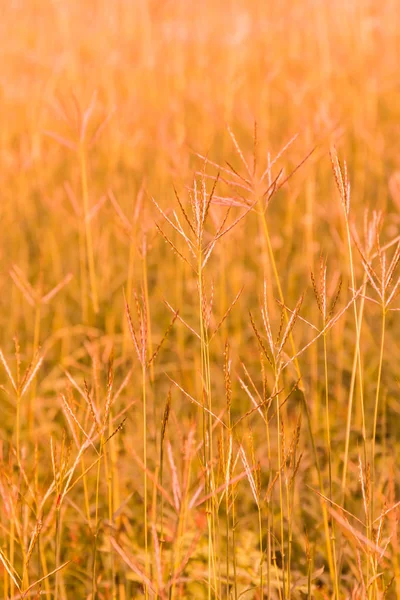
(12, 556)
(207, 424)
(306, 408)
(88, 227)
(281, 502)
(145, 500)
(357, 367)
(96, 527)
(234, 550)
(83, 273)
(57, 552)
(36, 342)
(260, 541)
(18, 425)
(329, 448)
(376, 409)
(113, 498)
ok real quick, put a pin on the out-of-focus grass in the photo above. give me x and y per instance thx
(185, 411)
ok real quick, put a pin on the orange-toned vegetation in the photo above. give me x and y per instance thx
(199, 333)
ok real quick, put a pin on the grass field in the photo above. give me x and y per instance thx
(199, 293)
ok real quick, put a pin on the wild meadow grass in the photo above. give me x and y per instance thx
(199, 294)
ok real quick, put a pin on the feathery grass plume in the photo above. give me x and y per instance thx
(200, 202)
(341, 178)
(163, 339)
(33, 541)
(60, 464)
(343, 186)
(81, 142)
(227, 376)
(118, 429)
(140, 339)
(321, 295)
(70, 415)
(249, 475)
(364, 487)
(259, 339)
(294, 458)
(193, 233)
(32, 295)
(253, 181)
(260, 404)
(176, 489)
(386, 285)
(133, 565)
(8, 371)
(165, 418)
(21, 385)
(289, 327)
(164, 424)
(93, 409)
(284, 333)
(110, 383)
